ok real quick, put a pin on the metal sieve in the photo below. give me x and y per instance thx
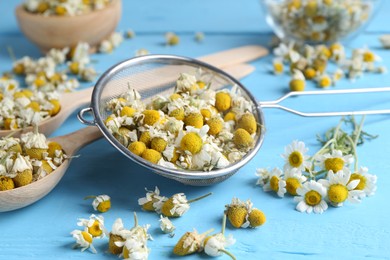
(153, 75)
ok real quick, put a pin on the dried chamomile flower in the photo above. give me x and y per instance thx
(237, 213)
(324, 81)
(278, 67)
(101, 203)
(94, 225)
(385, 40)
(295, 156)
(130, 34)
(340, 188)
(263, 175)
(276, 182)
(35, 144)
(297, 82)
(171, 38)
(134, 249)
(152, 201)
(311, 197)
(106, 46)
(167, 226)
(21, 171)
(83, 240)
(88, 74)
(141, 52)
(118, 234)
(178, 204)
(199, 36)
(215, 245)
(6, 183)
(190, 242)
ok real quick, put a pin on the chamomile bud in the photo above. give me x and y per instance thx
(178, 204)
(242, 139)
(248, 122)
(101, 203)
(194, 119)
(222, 101)
(190, 242)
(151, 155)
(297, 82)
(256, 218)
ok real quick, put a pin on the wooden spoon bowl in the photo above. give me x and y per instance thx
(23, 196)
(65, 31)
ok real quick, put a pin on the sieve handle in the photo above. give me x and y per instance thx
(80, 116)
(275, 103)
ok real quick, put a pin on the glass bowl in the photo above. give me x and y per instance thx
(318, 21)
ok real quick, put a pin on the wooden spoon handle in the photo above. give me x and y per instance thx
(72, 142)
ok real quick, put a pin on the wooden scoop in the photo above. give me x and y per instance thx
(71, 101)
(71, 143)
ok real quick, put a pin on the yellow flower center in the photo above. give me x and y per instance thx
(274, 183)
(295, 159)
(337, 193)
(292, 184)
(256, 218)
(297, 85)
(310, 73)
(87, 237)
(313, 198)
(95, 229)
(222, 101)
(334, 164)
(325, 82)
(278, 68)
(242, 139)
(104, 206)
(192, 143)
(362, 181)
(369, 57)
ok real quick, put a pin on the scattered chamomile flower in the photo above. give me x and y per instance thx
(130, 34)
(324, 81)
(263, 175)
(278, 66)
(294, 180)
(152, 201)
(340, 188)
(141, 52)
(167, 226)
(276, 183)
(101, 203)
(237, 213)
(385, 41)
(118, 234)
(178, 204)
(190, 242)
(311, 197)
(172, 39)
(199, 36)
(295, 156)
(134, 249)
(334, 161)
(94, 225)
(297, 83)
(215, 245)
(83, 240)
(367, 182)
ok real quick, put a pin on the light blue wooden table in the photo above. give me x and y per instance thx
(41, 231)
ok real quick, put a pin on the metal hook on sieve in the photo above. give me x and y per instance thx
(275, 103)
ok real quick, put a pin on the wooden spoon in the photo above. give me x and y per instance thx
(71, 143)
(224, 59)
(26, 195)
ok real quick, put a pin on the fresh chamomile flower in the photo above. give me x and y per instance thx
(334, 161)
(94, 225)
(166, 225)
(295, 156)
(311, 197)
(294, 180)
(101, 203)
(83, 240)
(152, 201)
(178, 204)
(263, 175)
(297, 83)
(278, 66)
(215, 245)
(367, 182)
(276, 183)
(190, 242)
(340, 188)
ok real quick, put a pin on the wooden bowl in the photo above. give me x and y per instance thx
(64, 31)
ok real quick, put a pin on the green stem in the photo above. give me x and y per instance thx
(321, 150)
(359, 131)
(90, 197)
(228, 253)
(223, 224)
(135, 219)
(199, 198)
(11, 53)
(336, 131)
(207, 232)
(354, 152)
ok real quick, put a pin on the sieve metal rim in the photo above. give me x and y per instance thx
(168, 172)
